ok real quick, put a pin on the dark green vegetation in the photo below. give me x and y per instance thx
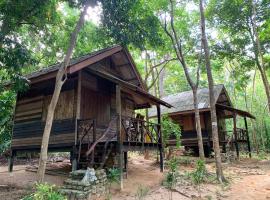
(34, 35)
(45, 191)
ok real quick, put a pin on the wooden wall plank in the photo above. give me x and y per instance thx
(64, 108)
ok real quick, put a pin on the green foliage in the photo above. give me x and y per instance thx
(113, 175)
(172, 175)
(7, 99)
(170, 129)
(132, 22)
(141, 192)
(45, 191)
(200, 173)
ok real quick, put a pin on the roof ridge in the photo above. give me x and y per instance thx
(187, 91)
(56, 65)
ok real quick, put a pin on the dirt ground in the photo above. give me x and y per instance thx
(249, 179)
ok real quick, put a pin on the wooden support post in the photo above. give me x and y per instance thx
(142, 133)
(119, 134)
(10, 161)
(78, 105)
(126, 162)
(74, 159)
(94, 140)
(161, 153)
(248, 141)
(235, 135)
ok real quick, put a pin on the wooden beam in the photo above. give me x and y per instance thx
(130, 79)
(235, 135)
(94, 59)
(161, 153)
(119, 133)
(248, 141)
(122, 65)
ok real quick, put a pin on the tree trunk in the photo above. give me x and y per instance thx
(198, 123)
(161, 83)
(181, 58)
(219, 171)
(265, 83)
(60, 80)
(258, 53)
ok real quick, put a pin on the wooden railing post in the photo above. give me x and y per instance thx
(248, 141)
(119, 133)
(160, 139)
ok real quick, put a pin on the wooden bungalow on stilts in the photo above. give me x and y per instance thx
(183, 114)
(95, 117)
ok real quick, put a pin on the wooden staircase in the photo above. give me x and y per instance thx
(96, 153)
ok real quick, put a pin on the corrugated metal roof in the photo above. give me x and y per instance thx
(184, 101)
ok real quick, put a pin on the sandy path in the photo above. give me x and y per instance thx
(253, 187)
(146, 174)
(23, 179)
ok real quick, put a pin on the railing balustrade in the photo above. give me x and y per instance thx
(138, 130)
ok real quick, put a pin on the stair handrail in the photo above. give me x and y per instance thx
(85, 134)
(89, 151)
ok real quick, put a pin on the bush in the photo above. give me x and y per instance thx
(172, 175)
(113, 176)
(170, 129)
(200, 174)
(45, 191)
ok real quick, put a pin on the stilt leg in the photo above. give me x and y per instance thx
(120, 166)
(126, 162)
(161, 159)
(248, 141)
(10, 161)
(237, 148)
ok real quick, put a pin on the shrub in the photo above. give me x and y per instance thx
(45, 191)
(172, 175)
(113, 176)
(170, 129)
(200, 173)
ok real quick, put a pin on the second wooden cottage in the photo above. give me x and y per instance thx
(183, 113)
(95, 116)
